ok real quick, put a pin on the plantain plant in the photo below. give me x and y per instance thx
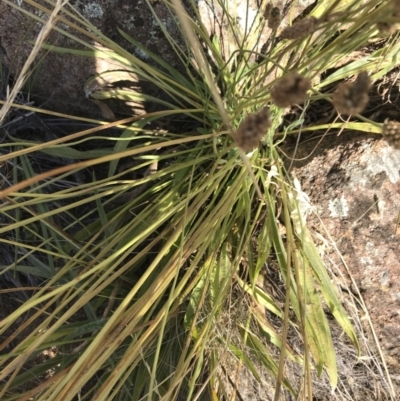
(151, 279)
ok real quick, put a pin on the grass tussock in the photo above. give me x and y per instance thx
(162, 264)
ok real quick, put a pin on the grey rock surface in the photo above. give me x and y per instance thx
(58, 79)
(353, 185)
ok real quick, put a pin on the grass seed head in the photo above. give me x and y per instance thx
(291, 90)
(363, 82)
(352, 97)
(267, 11)
(275, 18)
(300, 29)
(395, 5)
(391, 26)
(391, 133)
(387, 28)
(252, 129)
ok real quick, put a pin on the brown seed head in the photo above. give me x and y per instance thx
(395, 8)
(267, 11)
(300, 29)
(291, 90)
(391, 26)
(252, 129)
(391, 133)
(352, 97)
(387, 28)
(275, 18)
(363, 82)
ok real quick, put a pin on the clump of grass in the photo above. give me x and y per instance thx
(139, 266)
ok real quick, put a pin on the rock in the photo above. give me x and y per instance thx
(353, 183)
(58, 80)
